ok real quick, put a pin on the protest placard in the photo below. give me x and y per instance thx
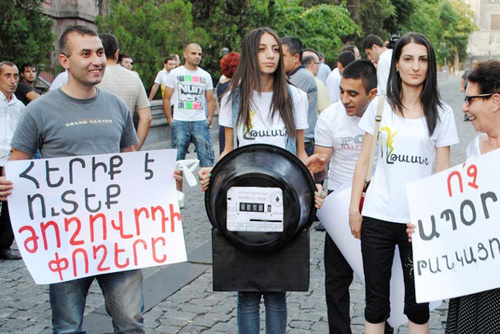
(334, 214)
(81, 216)
(456, 246)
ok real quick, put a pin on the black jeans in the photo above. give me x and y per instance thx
(378, 241)
(338, 278)
(6, 234)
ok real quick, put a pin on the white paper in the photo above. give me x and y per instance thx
(461, 255)
(82, 216)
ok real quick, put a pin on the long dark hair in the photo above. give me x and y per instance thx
(246, 79)
(430, 94)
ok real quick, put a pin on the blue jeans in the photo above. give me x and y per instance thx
(198, 132)
(123, 298)
(248, 312)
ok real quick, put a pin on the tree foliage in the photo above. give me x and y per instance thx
(150, 30)
(25, 32)
(322, 27)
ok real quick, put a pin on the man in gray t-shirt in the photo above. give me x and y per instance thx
(81, 119)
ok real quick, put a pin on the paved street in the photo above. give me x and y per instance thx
(179, 298)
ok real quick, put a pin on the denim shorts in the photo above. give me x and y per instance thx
(197, 132)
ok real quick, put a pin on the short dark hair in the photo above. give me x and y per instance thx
(110, 44)
(486, 75)
(6, 63)
(123, 55)
(170, 57)
(349, 47)
(364, 70)
(79, 29)
(372, 40)
(346, 57)
(294, 45)
(26, 65)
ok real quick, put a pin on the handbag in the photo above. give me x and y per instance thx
(378, 119)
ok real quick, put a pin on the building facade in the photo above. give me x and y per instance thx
(485, 42)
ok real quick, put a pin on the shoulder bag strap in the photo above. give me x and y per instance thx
(378, 119)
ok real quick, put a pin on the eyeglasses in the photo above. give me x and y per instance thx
(469, 98)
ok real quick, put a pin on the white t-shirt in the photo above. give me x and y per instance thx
(335, 129)
(407, 154)
(383, 69)
(333, 85)
(263, 129)
(189, 93)
(161, 79)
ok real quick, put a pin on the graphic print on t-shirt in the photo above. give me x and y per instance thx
(257, 128)
(392, 157)
(247, 129)
(191, 92)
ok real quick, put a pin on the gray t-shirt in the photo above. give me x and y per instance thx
(64, 126)
(304, 80)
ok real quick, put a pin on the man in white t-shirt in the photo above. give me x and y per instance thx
(381, 56)
(333, 80)
(192, 89)
(161, 78)
(339, 138)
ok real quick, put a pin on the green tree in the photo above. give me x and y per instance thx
(322, 27)
(25, 33)
(149, 30)
(448, 25)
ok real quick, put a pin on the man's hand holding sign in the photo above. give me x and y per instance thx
(82, 216)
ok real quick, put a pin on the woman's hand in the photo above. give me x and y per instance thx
(410, 229)
(355, 220)
(204, 175)
(319, 196)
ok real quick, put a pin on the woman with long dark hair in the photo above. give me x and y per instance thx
(268, 111)
(416, 131)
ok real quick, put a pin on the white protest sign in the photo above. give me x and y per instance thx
(456, 245)
(334, 214)
(82, 216)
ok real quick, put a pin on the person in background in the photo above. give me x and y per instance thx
(191, 88)
(304, 80)
(11, 110)
(333, 81)
(324, 70)
(267, 103)
(311, 62)
(228, 65)
(26, 90)
(161, 78)
(125, 61)
(381, 56)
(416, 132)
(127, 85)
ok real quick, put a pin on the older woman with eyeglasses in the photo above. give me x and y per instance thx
(480, 312)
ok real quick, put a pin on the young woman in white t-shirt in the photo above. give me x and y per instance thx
(416, 130)
(270, 111)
